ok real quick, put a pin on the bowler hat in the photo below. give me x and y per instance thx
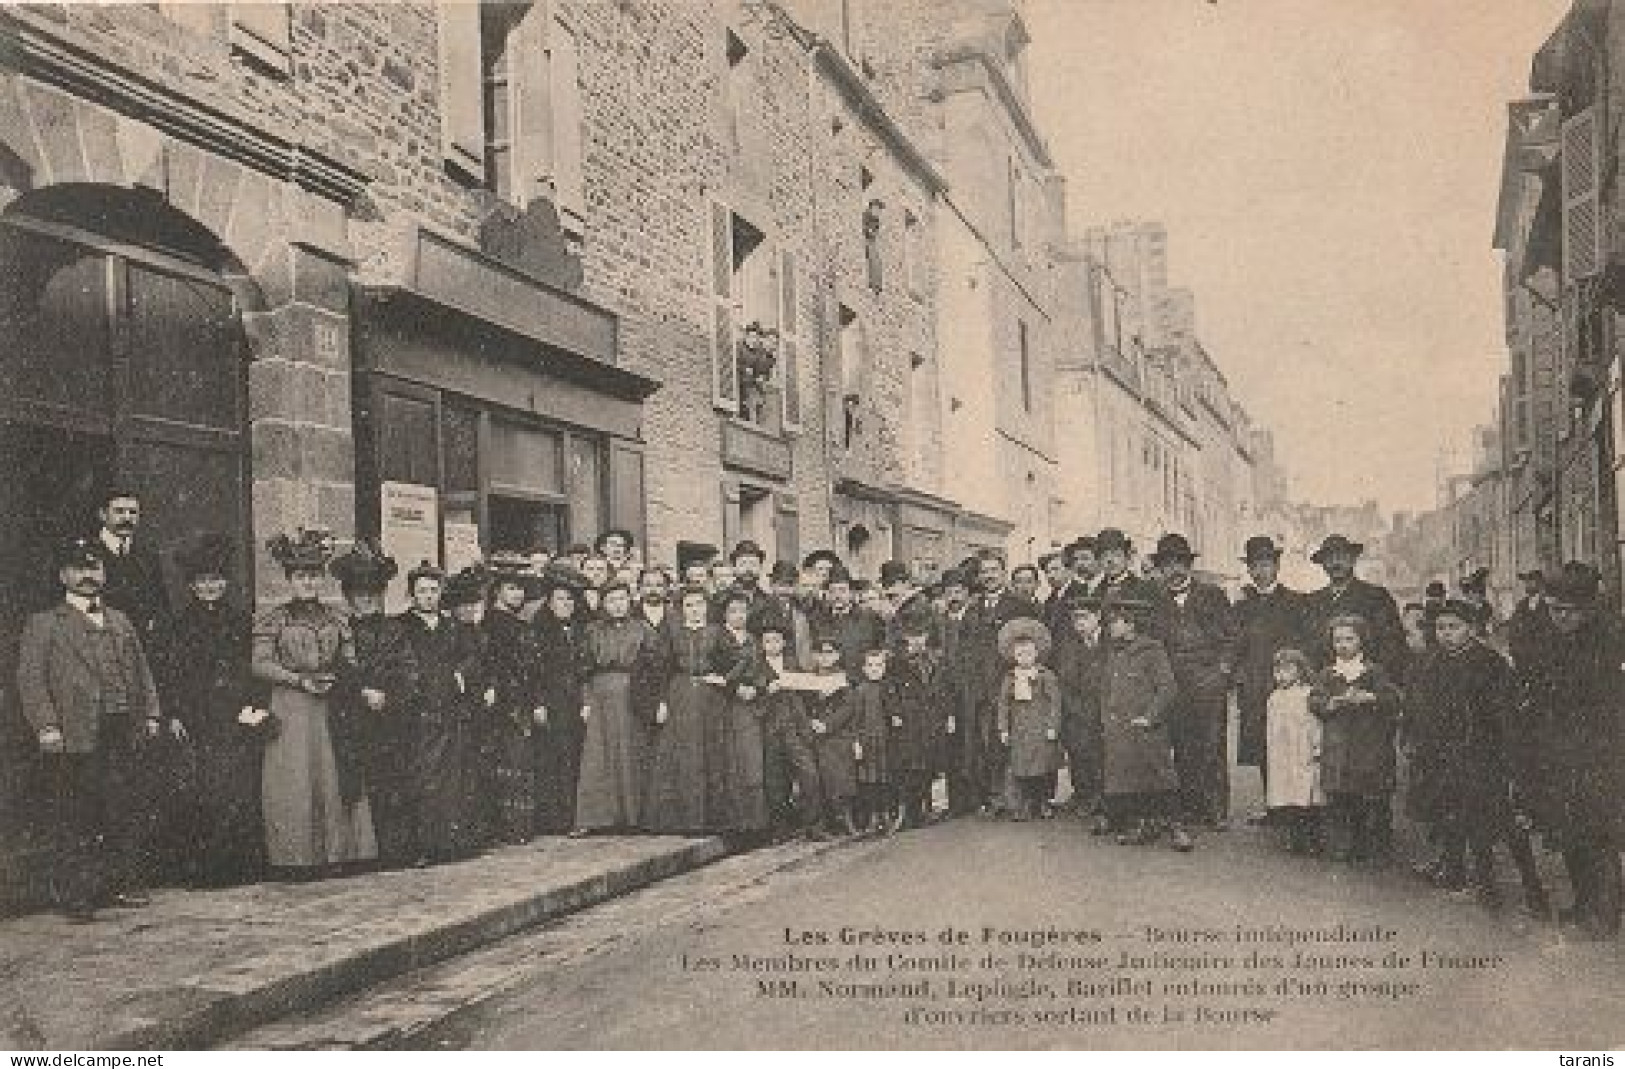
(953, 577)
(1577, 585)
(1173, 547)
(1336, 544)
(363, 570)
(209, 554)
(1020, 629)
(895, 571)
(1260, 547)
(1435, 589)
(1477, 580)
(782, 572)
(1111, 538)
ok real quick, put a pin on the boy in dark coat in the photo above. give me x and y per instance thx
(1459, 702)
(1079, 658)
(920, 716)
(790, 772)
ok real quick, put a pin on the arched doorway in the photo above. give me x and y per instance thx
(123, 360)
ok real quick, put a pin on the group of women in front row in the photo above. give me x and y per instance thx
(494, 708)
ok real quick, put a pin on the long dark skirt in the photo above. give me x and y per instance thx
(443, 813)
(233, 838)
(515, 783)
(679, 790)
(736, 794)
(614, 758)
(557, 749)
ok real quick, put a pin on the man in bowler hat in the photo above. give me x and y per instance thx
(1271, 619)
(1199, 630)
(87, 690)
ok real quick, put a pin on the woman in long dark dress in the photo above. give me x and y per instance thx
(207, 688)
(445, 657)
(736, 791)
(617, 653)
(511, 647)
(678, 799)
(559, 732)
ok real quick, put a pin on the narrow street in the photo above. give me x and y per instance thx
(702, 960)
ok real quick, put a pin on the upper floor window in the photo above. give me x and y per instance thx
(510, 102)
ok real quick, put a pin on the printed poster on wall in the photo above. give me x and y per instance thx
(410, 531)
(462, 545)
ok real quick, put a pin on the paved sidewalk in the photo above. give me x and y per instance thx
(196, 968)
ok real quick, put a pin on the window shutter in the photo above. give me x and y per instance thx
(1582, 214)
(462, 118)
(564, 70)
(724, 367)
(790, 340)
(261, 32)
(531, 78)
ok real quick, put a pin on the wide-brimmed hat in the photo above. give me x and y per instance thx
(1577, 585)
(746, 548)
(208, 554)
(1020, 629)
(822, 554)
(1336, 544)
(425, 570)
(363, 569)
(1260, 547)
(306, 550)
(561, 575)
(1111, 538)
(467, 587)
(1173, 547)
(614, 532)
(1462, 610)
(79, 553)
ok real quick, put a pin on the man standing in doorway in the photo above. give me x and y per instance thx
(135, 576)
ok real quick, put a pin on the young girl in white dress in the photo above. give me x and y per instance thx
(1293, 793)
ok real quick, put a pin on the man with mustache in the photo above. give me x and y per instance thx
(87, 691)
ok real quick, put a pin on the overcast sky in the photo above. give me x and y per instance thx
(1328, 171)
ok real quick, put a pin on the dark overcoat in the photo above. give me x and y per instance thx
(1577, 702)
(1269, 623)
(1458, 709)
(1139, 684)
(1387, 646)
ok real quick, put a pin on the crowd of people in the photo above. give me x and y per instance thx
(594, 692)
